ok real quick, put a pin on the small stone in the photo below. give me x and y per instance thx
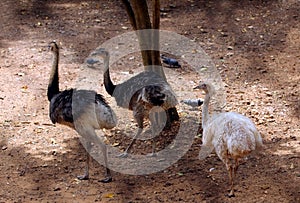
(57, 188)
(36, 188)
(211, 169)
(269, 94)
(230, 54)
(20, 74)
(230, 47)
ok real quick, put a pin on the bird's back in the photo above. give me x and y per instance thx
(141, 85)
(71, 105)
(60, 109)
(234, 133)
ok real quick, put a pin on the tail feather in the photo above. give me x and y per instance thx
(258, 141)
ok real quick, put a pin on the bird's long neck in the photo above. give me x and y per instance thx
(53, 86)
(205, 114)
(109, 86)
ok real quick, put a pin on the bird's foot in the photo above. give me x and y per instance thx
(106, 180)
(153, 154)
(83, 177)
(231, 194)
(123, 155)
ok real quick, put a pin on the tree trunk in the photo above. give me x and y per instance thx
(148, 36)
(140, 9)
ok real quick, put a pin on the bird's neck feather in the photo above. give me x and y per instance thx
(109, 86)
(53, 86)
(205, 113)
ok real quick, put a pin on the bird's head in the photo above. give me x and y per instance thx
(53, 46)
(206, 87)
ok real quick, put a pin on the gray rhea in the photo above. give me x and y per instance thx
(232, 135)
(146, 94)
(82, 110)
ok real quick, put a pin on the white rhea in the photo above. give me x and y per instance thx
(230, 134)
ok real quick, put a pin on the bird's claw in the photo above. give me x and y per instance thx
(106, 180)
(123, 155)
(231, 194)
(153, 154)
(83, 177)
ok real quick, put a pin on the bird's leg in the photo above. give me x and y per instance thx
(139, 117)
(85, 176)
(125, 154)
(230, 170)
(153, 154)
(233, 170)
(89, 135)
(236, 166)
(108, 177)
(155, 121)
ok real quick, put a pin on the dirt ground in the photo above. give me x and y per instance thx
(255, 46)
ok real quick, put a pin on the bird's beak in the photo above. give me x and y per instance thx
(197, 87)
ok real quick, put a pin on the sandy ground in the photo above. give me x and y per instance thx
(255, 46)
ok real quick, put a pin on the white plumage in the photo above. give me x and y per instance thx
(231, 135)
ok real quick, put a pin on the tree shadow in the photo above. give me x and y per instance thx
(54, 20)
(261, 34)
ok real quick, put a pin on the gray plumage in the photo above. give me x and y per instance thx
(82, 110)
(141, 94)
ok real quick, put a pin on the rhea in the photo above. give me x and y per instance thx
(82, 110)
(232, 135)
(147, 94)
